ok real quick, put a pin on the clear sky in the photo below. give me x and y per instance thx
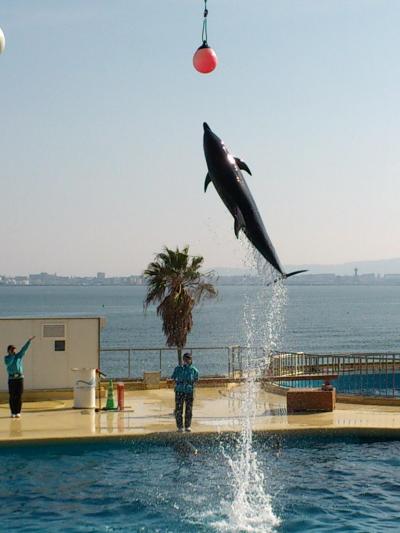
(101, 112)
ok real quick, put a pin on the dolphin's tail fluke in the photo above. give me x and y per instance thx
(285, 276)
(294, 273)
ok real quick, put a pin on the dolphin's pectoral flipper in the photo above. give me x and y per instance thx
(242, 165)
(207, 182)
(239, 221)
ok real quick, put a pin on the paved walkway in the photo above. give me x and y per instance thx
(215, 410)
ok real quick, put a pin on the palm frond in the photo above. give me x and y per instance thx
(174, 281)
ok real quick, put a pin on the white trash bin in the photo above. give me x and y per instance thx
(84, 388)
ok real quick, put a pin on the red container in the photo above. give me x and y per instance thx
(205, 59)
(121, 396)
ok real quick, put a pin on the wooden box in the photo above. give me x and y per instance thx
(303, 400)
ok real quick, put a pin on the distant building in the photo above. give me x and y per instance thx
(48, 279)
(391, 279)
(21, 280)
(313, 279)
(135, 280)
(101, 275)
(367, 278)
(394, 277)
(42, 278)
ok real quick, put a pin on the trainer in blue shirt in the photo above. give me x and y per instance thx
(185, 377)
(15, 370)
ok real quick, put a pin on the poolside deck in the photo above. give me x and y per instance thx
(216, 410)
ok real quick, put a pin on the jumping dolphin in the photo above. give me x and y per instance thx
(224, 171)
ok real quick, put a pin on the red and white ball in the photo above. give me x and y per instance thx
(205, 59)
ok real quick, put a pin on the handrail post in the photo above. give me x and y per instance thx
(129, 363)
(393, 376)
(160, 361)
(387, 376)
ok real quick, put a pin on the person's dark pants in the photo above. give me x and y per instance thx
(15, 388)
(181, 399)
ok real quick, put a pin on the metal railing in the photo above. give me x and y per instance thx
(371, 374)
(132, 362)
(368, 374)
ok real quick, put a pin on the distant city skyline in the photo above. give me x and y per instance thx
(101, 120)
(379, 268)
(45, 279)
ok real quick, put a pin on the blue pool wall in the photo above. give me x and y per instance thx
(374, 384)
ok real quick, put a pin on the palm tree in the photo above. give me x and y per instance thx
(176, 284)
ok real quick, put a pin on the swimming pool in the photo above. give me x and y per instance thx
(372, 384)
(317, 484)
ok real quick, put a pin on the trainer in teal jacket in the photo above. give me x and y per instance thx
(13, 360)
(185, 377)
(15, 370)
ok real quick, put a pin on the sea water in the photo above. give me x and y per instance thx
(318, 319)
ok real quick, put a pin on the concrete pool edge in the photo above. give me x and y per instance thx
(173, 437)
(216, 412)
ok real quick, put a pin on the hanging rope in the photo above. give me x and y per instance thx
(205, 59)
(204, 32)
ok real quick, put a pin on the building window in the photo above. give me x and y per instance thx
(59, 346)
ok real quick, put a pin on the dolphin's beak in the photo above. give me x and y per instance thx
(206, 127)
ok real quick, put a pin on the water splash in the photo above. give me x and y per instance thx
(264, 322)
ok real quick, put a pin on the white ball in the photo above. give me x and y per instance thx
(2, 41)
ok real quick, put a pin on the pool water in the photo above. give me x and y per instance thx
(317, 484)
(373, 384)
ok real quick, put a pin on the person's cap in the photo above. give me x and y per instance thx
(187, 355)
(11, 347)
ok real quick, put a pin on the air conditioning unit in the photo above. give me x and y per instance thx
(56, 332)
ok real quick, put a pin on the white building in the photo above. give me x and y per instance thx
(61, 344)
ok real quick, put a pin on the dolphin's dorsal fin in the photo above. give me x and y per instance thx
(207, 182)
(242, 165)
(239, 222)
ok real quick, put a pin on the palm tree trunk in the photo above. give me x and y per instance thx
(180, 361)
